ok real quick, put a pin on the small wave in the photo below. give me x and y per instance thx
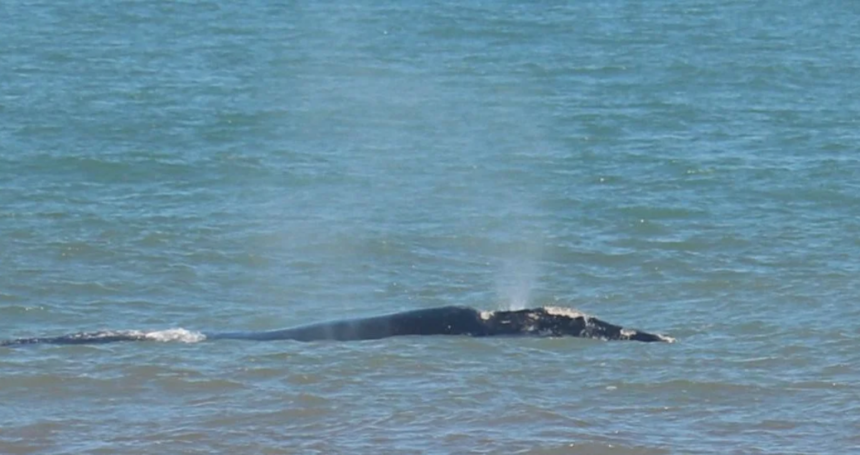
(179, 334)
(111, 336)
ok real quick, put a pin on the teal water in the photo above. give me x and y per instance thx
(689, 168)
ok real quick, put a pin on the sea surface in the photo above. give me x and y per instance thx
(682, 167)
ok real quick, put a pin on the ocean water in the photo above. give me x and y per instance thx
(683, 167)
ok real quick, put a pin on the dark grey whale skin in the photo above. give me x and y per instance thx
(449, 320)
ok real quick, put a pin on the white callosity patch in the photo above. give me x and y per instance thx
(553, 310)
(181, 335)
(568, 312)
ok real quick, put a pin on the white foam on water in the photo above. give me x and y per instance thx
(105, 334)
(666, 338)
(628, 333)
(181, 335)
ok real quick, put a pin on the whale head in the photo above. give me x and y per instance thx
(561, 322)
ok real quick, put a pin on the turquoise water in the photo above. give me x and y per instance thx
(689, 168)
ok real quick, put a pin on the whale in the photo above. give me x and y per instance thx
(448, 320)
